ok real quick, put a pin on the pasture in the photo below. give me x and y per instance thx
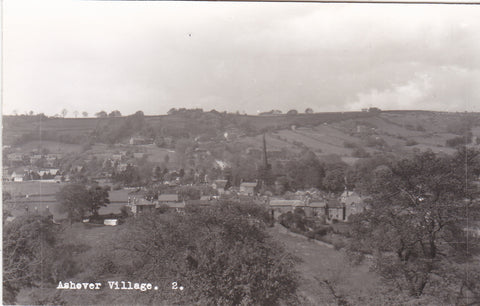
(42, 195)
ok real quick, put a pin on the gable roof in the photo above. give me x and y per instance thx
(248, 184)
(144, 202)
(317, 204)
(173, 204)
(220, 183)
(284, 203)
(334, 203)
(168, 198)
(200, 202)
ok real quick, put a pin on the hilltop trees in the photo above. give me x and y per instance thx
(115, 113)
(419, 207)
(101, 114)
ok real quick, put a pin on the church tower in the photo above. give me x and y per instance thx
(264, 171)
(265, 163)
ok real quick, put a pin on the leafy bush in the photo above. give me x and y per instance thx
(411, 142)
(349, 145)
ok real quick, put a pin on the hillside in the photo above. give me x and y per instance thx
(350, 134)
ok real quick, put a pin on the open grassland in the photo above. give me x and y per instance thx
(51, 146)
(31, 188)
(328, 276)
(42, 195)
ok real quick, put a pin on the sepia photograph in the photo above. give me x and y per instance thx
(240, 152)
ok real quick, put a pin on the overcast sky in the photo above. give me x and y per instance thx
(152, 56)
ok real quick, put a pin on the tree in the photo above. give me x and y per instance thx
(85, 114)
(292, 112)
(308, 111)
(221, 255)
(115, 113)
(419, 207)
(189, 193)
(98, 197)
(74, 200)
(28, 252)
(101, 114)
(64, 112)
(75, 113)
(304, 172)
(334, 180)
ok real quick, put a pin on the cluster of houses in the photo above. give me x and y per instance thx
(49, 160)
(22, 174)
(330, 208)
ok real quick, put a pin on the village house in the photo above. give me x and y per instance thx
(35, 158)
(141, 205)
(335, 210)
(48, 172)
(116, 157)
(281, 206)
(315, 208)
(140, 141)
(122, 167)
(138, 155)
(15, 157)
(219, 186)
(248, 188)
(5, 176)
(354, 204)
(19, 174)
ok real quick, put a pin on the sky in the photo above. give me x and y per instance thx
(247, 57)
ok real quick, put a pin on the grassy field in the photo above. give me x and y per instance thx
(52, 146)
(42, 195)
(328, 277)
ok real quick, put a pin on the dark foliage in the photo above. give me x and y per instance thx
(222, 255)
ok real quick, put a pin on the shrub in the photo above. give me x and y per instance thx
(322, 231)
(360, 153)
(349, 145)
(411, 142)
(338, 245)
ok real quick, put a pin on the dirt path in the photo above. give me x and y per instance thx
(328, 278)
